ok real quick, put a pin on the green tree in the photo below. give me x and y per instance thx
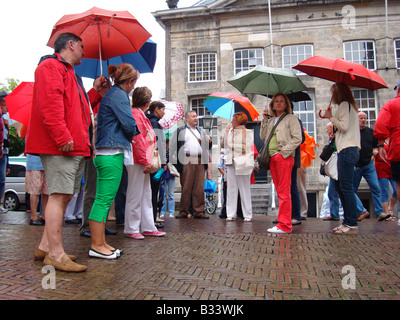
(17, 145)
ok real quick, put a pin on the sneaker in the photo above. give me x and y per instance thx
(3, 210)
(247, 219)
(154, 233)
(277, 230)
(136, 236)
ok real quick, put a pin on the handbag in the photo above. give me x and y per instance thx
(244, 164)
(263, 155)
(172, 170)
(330, 166)
(155, 157)
(328, 150)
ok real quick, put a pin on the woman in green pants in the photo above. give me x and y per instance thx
(115, 130)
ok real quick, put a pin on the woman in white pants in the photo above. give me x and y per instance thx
(239, 141)
(139, 219)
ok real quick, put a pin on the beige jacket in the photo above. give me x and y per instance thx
(239, 141)
(345, 119)
(288, 134)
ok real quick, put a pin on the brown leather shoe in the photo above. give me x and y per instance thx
(39, 255)
(363, 216)
(66, 264)
(181, 216)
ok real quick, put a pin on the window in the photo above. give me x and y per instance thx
(202, 67)
(397, 52)
(305, 111)
(366, 102)
(292, 55)
(362, 52)
(197, 105)
(246, 59)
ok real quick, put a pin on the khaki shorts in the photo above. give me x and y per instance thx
(63, 173)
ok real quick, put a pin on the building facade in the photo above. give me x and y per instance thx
(210, 42)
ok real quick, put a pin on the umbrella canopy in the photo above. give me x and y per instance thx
(19, 102)
(224, 105)
(173, 113)
(105, 34)
(297, 96)
(144, 61)
(340, 70)
(267, 81)
(3, 94)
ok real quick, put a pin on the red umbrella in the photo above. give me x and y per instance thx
(19, 102)
(105, 34)
(340, 70)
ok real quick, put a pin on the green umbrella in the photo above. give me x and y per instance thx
(267, 81)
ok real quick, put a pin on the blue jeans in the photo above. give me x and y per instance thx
(384, 184)
(347, 159)
(369, 173)
(333, 199)
(169, 200)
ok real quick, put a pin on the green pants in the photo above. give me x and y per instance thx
(109, 173)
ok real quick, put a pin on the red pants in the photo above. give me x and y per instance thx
(281, 172)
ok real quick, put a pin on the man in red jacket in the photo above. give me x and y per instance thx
(388, 125)
(59, 131)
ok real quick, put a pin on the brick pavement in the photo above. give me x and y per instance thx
(211, 260)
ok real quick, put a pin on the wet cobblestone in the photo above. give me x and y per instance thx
(211, 260)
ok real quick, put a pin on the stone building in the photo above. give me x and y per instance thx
(208, 43)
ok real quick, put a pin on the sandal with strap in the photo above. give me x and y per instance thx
(344, 229)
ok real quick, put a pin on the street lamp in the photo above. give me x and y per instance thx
(207, 122)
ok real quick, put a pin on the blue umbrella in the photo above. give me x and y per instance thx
(144, 61)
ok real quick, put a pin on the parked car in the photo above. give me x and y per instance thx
(14, 191)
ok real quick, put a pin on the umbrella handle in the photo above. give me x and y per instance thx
(321, 116)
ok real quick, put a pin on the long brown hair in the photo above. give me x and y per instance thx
(341, 92)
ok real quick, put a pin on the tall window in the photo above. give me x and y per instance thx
(292, 55)
(202, 67)
(362, 52)
(366, 102)
(197, 105)
(397, 52)
(305, 111)
(246, 59)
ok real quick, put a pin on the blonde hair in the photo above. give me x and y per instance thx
(124, 72)
(141, 96)
(288, 108)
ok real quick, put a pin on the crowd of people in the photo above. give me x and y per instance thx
(109, 148)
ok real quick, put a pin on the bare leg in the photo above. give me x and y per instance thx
(34, 201)
(98, 243)
(52, 236)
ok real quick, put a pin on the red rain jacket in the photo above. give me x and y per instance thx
(388, 125)
(60, 111)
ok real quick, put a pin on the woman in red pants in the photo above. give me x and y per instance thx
(282, 143)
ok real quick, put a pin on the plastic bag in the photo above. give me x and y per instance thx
(210, 186)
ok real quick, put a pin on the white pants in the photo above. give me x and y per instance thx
(138, 207)
(237, 183)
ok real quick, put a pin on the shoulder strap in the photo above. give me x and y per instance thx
(273, 129)
(191, 131)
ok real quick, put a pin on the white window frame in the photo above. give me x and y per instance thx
(397, 52)
(200, 109)
(351, 55)
(296, 54)
(203, 69)
(249, 66)
(364, 104)
(305, 110)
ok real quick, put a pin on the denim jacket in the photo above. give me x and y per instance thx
(115, 123)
